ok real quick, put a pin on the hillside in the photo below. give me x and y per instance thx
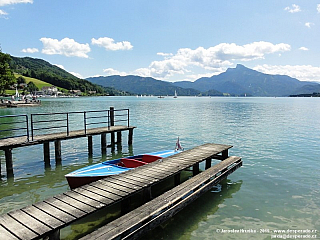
(242, 80)
(142, 85)
(44, 71)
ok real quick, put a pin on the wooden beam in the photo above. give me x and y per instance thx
(225, 154)
(208, 163)
(130, 136)
(177, 179)
(9, 165)
(103, 143)
(112, 124)
(57, 151)
(195, 169)
(119, 137)
(90, 147)
(46, 154)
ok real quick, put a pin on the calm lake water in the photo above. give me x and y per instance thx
(278, 187)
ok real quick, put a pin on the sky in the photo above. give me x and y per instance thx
(171, 40)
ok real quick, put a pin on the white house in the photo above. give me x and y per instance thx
(50, 90)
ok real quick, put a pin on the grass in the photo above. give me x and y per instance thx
(37, 82)
(40, 84)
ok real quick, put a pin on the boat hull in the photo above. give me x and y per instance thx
(75, 182)
(102, 170)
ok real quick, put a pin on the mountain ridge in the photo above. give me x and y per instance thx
(238, 81)
(242, 80)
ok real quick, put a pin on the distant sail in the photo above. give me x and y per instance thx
(17, 93)
(175, 94)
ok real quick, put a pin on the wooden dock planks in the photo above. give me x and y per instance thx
(161, 208)
(59, 211)
(38, 139)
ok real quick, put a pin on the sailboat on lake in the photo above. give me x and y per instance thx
(175, 94)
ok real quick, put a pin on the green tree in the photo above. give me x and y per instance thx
(6, 75)
(32, 87)
(21, 80)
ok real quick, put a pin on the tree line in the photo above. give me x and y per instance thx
(44, 71)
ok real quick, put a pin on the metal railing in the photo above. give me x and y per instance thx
(64, 123)
(13, 126)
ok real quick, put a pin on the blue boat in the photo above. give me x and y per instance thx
(99, 171)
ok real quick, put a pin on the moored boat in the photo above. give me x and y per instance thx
(102, 170)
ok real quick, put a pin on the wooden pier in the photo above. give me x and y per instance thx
(48, 217)
(55, 127)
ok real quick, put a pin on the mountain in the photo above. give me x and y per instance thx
(142, 85)
(43, 70)
(242, 80)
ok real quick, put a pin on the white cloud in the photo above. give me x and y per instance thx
(109, 44)
(78, 75)
(210, 59)
(294, 9)
(300, 72)
(164, 54)
(60, 66)
(318, 8)
(3, 12)
(193, 77)
(29, 50)
(9, 2)
(111, 71)
(66, 46)
(304, 49)
(308, 24)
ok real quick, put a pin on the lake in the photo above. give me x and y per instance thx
(278, 187)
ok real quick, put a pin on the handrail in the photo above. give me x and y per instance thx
(63, 121)
(21, 130)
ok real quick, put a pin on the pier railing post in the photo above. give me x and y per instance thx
(128, 118)
(27, 122)
(85, 122)
(32, 127)
(112, 124)
(68, 124)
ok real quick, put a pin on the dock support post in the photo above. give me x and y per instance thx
(46, 153)
(54, 235)
(112, 124)
(177, 179)
(8, 155)
(224, 154)
(57, 151)
(130, 136)
(195, 169)
(103, 143)
(125, 205)
(208, 163)
(90, 148)
(119, 137)
(147, 195)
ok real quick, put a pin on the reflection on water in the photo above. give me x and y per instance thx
(185, 222)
